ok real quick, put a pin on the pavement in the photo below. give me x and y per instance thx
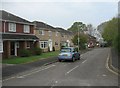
(114, 60)
(90, 71)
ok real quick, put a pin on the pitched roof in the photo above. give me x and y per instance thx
(63, 30)
(10, 17)
(43, 25)
(18, 37)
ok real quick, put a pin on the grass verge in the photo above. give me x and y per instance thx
(21, 60)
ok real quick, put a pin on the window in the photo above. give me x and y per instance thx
(26, 29)
(41, 32)
(12, 27)
(28, 44)
(50, 33)
(1, 46)
(43, 44)
(56, 43)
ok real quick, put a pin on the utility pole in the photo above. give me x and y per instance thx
(78, 38)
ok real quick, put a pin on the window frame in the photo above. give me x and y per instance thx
(43, 45)
(41, 32)
(12, 27)
(26, 29)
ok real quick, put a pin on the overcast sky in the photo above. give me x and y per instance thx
(63, 14)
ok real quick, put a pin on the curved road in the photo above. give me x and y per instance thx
(89, 71)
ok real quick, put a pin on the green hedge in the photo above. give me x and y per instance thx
(37, 51)
(25, 53)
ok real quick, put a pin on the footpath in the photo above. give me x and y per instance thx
(10, 70)
(114, 61)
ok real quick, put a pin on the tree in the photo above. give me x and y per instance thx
(82, 39)
(74, 27)
(110, 33)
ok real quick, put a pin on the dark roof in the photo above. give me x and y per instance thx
(19, 37)
(63, 30)
(43, 25)
(11, 17)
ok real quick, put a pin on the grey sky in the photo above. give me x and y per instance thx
(63, 14)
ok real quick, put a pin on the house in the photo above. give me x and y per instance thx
(51, 38)
(65, 37)
(91, 41)
(17, 33)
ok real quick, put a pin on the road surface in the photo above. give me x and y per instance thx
(91, 70)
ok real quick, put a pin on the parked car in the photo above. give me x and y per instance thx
(69, 53)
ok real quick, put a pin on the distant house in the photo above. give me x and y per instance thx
(65, 37)
(91, 40)
(17, 33)
(51, 38)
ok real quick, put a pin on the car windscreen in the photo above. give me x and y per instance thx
(66, 50)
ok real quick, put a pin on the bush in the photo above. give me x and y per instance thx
(25, 53)
(37, 51)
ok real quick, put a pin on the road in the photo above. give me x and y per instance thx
(89, 71)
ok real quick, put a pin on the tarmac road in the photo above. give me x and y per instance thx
(89, 71)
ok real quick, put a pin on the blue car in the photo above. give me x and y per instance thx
(68, 53)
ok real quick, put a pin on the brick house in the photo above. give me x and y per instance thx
(65, 37)
(50, 36)
(17, 33)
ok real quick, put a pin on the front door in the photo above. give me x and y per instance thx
(12, 48)
(50, 44)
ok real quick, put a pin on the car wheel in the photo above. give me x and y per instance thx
(59, 60)
(79, 58)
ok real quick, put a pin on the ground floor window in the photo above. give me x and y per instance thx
(28, 44)
(1, 46)
(43, 44)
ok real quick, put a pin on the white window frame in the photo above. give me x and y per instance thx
(12, 27)
(1, 46)
(26, 29)
(42, 44)
(41, 32)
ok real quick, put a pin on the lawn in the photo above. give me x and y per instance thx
(21, 60)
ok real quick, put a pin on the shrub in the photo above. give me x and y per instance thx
(37, 51)
(25, 53)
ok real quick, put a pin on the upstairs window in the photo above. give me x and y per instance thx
(41, 32)
(26, 29)
(12, 27)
